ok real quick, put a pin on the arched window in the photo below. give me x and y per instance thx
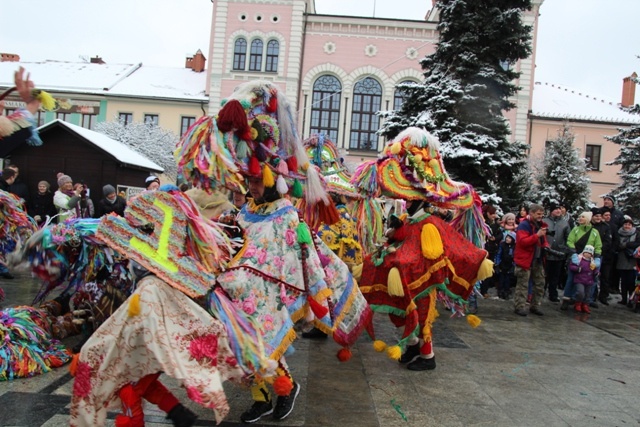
(255, 57)
(400, 94)
(325, 107)
(367, 97)
(273, 50)
(240, 54)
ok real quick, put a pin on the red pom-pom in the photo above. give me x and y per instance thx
(233, 117)
(344, 354)
(283, 385)
(292, 163)
(318, 310)
(273, 104)
(254, 166)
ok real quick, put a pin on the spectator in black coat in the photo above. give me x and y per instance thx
(41, 204)
(18, 187)
(111, 202)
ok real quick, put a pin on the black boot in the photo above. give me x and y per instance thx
(182, 416)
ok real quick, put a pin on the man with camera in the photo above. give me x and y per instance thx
(557, 232)
(528, 257)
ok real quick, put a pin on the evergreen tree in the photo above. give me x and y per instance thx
(152, 141)
(468, 83)
(628, 192)
(563, 174)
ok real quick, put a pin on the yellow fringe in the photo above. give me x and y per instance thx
(379, 346)
(394, 283)
(485, 270)
(431, 317)
(394, 352)
(473, 320)
(431, 242)
(356, 271)
(267, 177)
(47, 101)
(289, 338)
(134, 305)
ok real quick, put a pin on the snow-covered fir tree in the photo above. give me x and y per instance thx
(152, 141)
(468, 83)
(628, 192)
(562, 176)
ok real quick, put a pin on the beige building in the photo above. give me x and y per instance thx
(591, 119)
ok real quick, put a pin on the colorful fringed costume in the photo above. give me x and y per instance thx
(160, 328)
(366, 212)
(426, 259)
(281, 274)
(15, 227)
(27, 346)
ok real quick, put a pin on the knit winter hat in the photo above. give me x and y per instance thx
(511, 234)
(587, 215)
(589, 249)
(610, 197)
(63, 180)
(150, 179)
(45, 183)
(108, 189)
(596, 211)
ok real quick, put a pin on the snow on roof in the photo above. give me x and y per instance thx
(117, 149)
(68, 76)
(163, 82)
(133, 80)
(560, 102)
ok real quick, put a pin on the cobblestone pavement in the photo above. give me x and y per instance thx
(562, 369)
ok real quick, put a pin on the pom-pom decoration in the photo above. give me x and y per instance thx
(283, 386)
(344, 354)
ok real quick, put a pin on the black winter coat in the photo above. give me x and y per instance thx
(42, 205)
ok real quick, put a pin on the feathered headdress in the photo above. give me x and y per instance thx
(253, 135)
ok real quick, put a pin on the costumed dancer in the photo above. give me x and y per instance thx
(426, 259)
(367, 212)
(161, 328)
(281, 274)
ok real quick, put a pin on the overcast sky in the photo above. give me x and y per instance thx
(585, 44)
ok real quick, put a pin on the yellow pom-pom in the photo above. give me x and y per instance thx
(396, 147)
(403, 217)
(134, 305)
(379, 346)
(254, 133)
(431, 242)
(433, 164)
(305, 166)
(418, 158)
(267, 177)
(394, 352)
(394, 283)
(473, 320)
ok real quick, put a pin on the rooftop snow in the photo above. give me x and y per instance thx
(116, 79)
(560, 102)
(117, 149)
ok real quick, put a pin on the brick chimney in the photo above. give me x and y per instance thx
(9, 57)
(97, 60)
(196, 62)
(629, 91)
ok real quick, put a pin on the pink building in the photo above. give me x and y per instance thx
(337, 70)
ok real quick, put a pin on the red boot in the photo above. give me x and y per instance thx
(578, 307)
(585, 308)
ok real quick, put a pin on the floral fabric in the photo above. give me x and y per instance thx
(266, 279)
(342, 237)
(171, 334)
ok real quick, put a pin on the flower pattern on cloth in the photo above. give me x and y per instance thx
(172, 334)
(342, 237)
(270, 229)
